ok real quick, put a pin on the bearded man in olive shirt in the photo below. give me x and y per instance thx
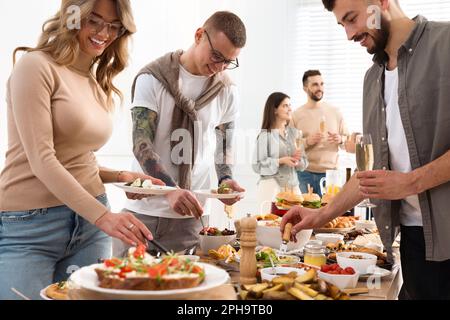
(406, 110)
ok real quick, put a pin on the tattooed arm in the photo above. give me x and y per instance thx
(223, 155)
(224, 159)
(144, 131)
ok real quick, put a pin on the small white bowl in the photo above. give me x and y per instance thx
(267, 274)
(365, 224)
(327, 238)
(270, 236)
(342, 281)
(214, 242)
(362, 266)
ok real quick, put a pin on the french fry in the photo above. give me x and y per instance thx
(243, 294)
(321, 286)
(286, 281)
(277, 295)
(344, 296)
(310, 292)
(309, 276)
(257, 291)
(299, 294)
(333, 291)
(277, 287)
(248, 287)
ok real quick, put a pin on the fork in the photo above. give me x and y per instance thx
(203, 225)
(274, 270)
(20, 294)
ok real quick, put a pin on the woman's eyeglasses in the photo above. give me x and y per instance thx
(217, 57)
(115, 29)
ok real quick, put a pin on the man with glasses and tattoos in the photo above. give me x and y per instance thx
(184, 109)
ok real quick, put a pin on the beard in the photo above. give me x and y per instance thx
(316, 96)
(380, 38)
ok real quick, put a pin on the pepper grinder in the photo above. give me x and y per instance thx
(248, 245)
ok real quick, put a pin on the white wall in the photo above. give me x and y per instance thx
(164, 26)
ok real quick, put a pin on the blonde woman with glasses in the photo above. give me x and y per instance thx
(53, 208)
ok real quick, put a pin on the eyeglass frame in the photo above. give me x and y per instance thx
(104, 24)
(234, 63)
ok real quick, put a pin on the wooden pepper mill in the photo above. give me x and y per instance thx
(248, 245)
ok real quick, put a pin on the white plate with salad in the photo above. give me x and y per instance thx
(140, 186)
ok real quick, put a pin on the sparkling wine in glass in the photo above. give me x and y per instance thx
(229, 211)
(298, 147)
(364, 160)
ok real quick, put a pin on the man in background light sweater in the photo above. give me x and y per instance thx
(321, 141)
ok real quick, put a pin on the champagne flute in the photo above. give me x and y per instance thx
(298, 147)
(298, 144)
(364, 160)
(229, 211)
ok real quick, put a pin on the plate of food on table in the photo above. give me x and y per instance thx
(224, 191)
(382, 259)
(287, 199)
(304, 284)
(146, 187)
(55, 291)
(339, 225)
(265, 256)
(141, 276)
(311, 200)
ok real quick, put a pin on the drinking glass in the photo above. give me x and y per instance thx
(229, 211)
(298, 147)
(364, 160)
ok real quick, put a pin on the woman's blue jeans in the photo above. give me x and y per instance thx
(43, 246)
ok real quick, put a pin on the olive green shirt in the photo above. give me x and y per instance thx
(424, 102)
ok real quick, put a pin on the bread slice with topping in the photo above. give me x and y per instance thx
(137, 272)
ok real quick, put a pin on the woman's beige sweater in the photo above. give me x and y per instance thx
(56, 120)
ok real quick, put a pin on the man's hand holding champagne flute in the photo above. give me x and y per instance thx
(364, 160)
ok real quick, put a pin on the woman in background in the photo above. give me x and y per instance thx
(277, 155)
(53, 208)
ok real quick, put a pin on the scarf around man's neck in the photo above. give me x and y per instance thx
(167, 71)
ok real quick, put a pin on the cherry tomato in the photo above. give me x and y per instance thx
(140, 251)
(197, 269)
(349, 270)
(112, 262)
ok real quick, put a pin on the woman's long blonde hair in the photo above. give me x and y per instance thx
(59, 39)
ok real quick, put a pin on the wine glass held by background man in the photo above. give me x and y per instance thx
(324, 132)
(411, 183)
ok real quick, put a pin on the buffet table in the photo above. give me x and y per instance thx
(379, 289)
(225, 292)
